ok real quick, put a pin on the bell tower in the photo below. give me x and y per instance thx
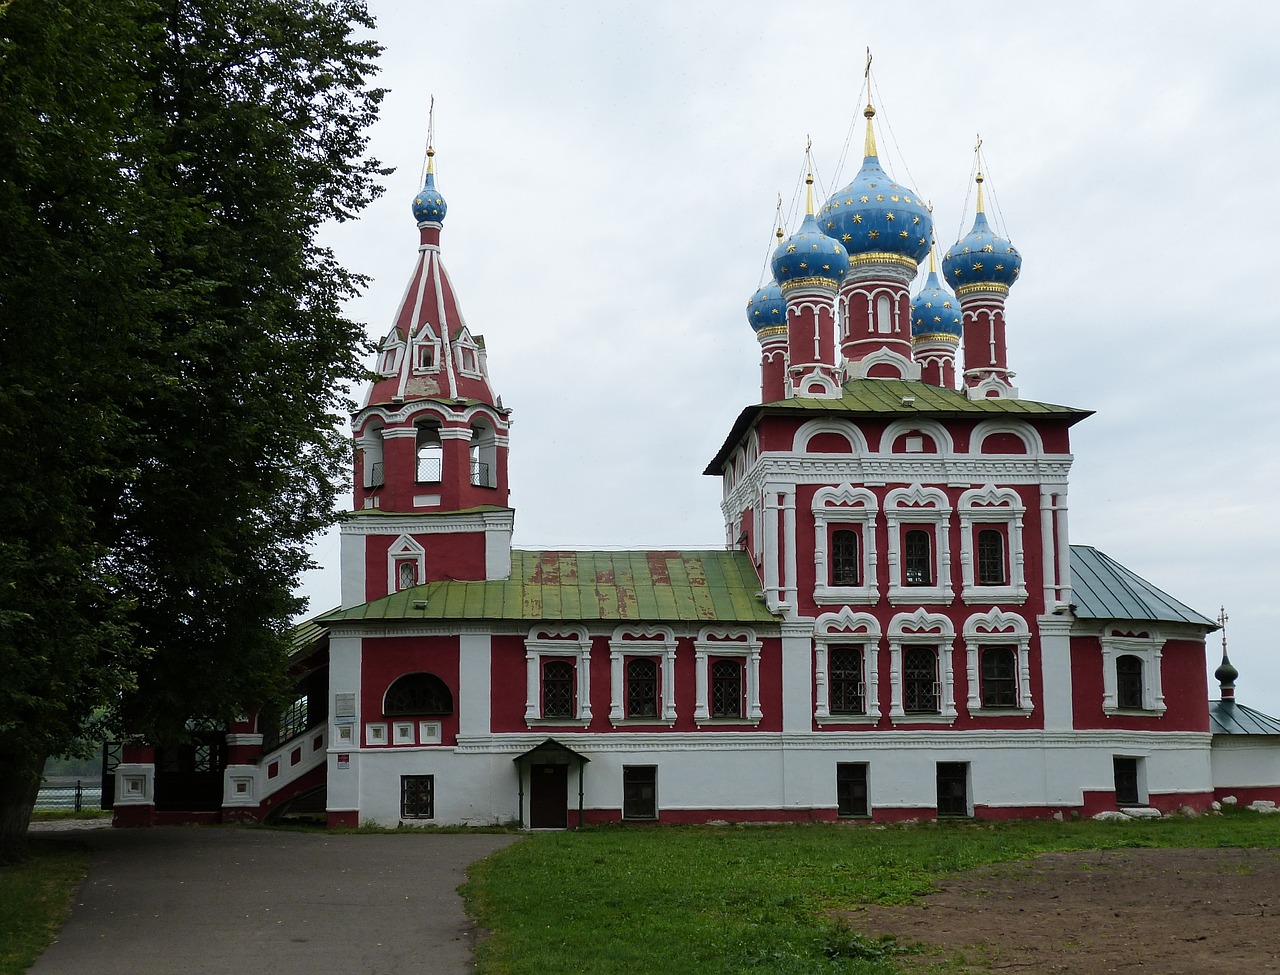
(430, 471)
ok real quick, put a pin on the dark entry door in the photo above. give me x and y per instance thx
(548, 796)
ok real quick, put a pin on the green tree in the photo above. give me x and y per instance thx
(174, 356)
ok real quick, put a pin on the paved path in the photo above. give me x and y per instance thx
(210, 901)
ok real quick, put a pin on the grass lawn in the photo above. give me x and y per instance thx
(715, 901)
(34, 900)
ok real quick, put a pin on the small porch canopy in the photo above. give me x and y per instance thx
(553, 752)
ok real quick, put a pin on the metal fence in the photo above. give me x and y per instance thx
(78, 797)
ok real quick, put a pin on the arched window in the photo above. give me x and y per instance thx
(418, 694)
(642, 687)
(845, 685)
(726, 688)
(430, 454)
(884, 315)
(844, 557)
(920, 680)
(999, 677)
(484, 455)
(991, 557)
(557, 689)
(1129, 681)
(917, 558)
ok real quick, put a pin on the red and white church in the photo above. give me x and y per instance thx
(898, 626)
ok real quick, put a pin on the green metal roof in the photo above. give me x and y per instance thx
(1231, 718)
(307, 633)
(884, 397)
(1103, 589)
(694, 587)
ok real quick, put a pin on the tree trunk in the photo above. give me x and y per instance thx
(19, 786)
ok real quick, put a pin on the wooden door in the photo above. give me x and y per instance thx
(548, 796)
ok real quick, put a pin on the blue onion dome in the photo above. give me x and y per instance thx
(429, 205)
(809, 257)
(934, 311)
(767, 308)
(875, 215)
(982, 257)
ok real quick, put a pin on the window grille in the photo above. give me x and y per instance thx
(642, 688)
(999, 678)
(407, 574)
(418, 694)
(953, 789)
(920, 680)
(639, 792)
(917, 558)
(1126, 777)
(726, 689)
(557, 689)
(417, 796)
(846, 691)
(991, 558)
(844, 558)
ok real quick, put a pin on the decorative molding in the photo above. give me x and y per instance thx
(721, 641)
(642, 641)
(552, 640)
(998, 628)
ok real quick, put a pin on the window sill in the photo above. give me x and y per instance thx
(826, 719)
(727, 722)
(898, 595)
(557, 722)
(845, 595)
(1001, 712)
(642, 722)
(1134, 712)
(947, 719)
(994, 594)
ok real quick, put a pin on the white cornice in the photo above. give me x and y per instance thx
(361, 523)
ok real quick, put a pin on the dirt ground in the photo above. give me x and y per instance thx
(1174, 912)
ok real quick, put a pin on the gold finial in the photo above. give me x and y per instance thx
(808, 177)
(933, 256)
(777, 230)
(977, 151)
(869, 146)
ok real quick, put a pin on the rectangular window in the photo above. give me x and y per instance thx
(1126, 775)
(417, 797)
(851, 789)
(917, 557)
(639, 792)
(953, 789)
(991, 568)
(642, 688)
(557, 689)
(999, 677)
(726, 688)
(844, 681)
(844, 557)
(920, 680)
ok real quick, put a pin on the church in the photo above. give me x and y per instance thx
(897, 627)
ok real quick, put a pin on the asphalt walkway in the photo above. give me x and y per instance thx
(217, 901)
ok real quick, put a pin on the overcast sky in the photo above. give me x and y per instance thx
(611, 171)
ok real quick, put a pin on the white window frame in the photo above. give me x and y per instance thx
(905, 508)
(405, 549)
(990, 505)
(726, 642)
(846, 628)
(572, 644)
(998, 629)
(1117, 640)
(426, 339)
(462, 345)
(643, 641)
(922, 629)
(839, 506)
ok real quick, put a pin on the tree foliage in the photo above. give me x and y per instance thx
(173, 354)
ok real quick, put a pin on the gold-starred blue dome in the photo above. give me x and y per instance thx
(981, 257)
(935, 311)
(429, 205)
(767, 308)
(809, 257)
(875, 214)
